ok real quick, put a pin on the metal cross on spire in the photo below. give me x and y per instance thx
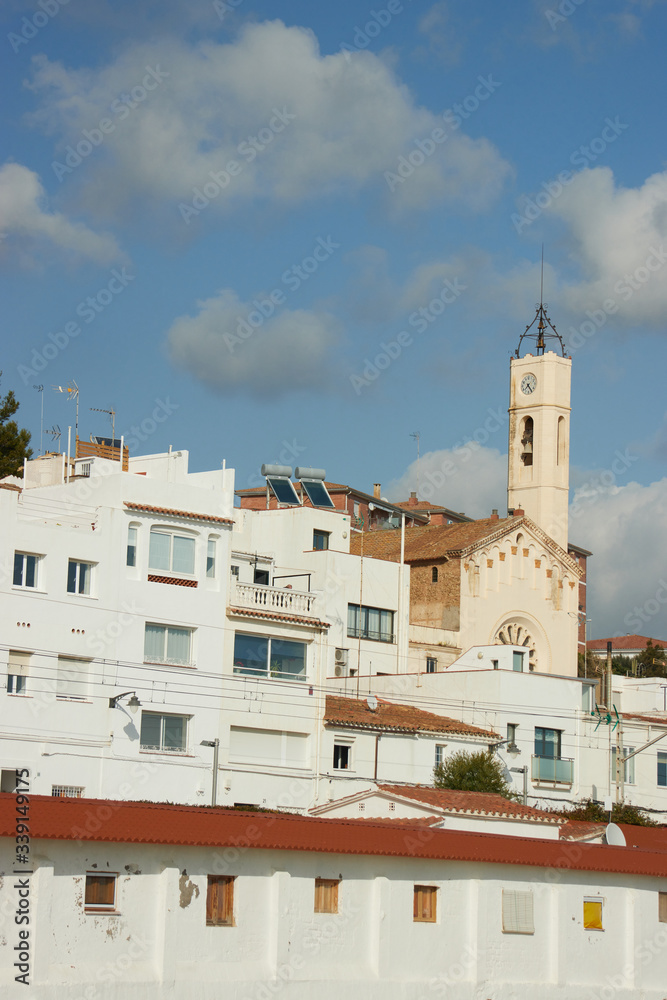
(545, 329)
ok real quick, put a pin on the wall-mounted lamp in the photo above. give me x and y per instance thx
(133, 704)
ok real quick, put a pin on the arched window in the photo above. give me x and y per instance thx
(527, 441)
(561, 453)
(434, 575)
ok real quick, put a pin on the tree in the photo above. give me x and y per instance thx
(591, 811)
(472, 772)
(13, 442)
(651, 661)
(621, 665)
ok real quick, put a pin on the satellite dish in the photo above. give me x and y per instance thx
(372, 702)
(615, 836)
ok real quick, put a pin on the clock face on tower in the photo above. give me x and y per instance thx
(528, 383)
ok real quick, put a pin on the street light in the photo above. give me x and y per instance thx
(216, 748)
(133, 704)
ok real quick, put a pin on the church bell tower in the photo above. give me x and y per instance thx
(539, 428)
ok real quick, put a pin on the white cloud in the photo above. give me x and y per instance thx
(24, 217)
(352, 120)
(229, 345)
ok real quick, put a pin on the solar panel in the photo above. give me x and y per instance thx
(317, 493)
(283, 490)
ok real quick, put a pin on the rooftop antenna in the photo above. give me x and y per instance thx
(545, 328)
(415, 435)
(112, 414)
(40, 389)
(72, 391)
(55, 433)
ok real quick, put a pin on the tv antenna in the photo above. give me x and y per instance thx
(112, 414)
(72, 392)
(40, 389)
(55, 434)
(415, 435)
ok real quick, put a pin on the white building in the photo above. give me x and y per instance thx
(131, 900)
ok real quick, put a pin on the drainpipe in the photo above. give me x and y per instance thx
(377, 748)
(399, 620)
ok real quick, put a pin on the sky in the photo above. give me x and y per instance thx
(305, 233)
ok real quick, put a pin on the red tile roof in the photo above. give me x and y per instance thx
(355, 713)
(108, 821)
(655, 719)
(577, 829)
(170, 512)
(430, 542)
(279, 617)
(621, 642)
(648, 838)
(471, 803)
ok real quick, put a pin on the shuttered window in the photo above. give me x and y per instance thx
(518, 912)
(220, 901)
(100, 892)
(326, 895)
(424, 905)
(662, 907)
(593, 914)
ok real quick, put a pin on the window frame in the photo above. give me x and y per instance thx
(431, 665)
(35, 574)
(439, 754)
(132, 547)
(212, 557)
(18, 681)
(172, 533)
(324, 536)
(422, 914)
(163, 716)
(662, 768)
(326, 895)
(225, 905)
(342, 745)
(164, 659)
(269, 672)
(662, 907)
(544, 743)
(358, 627)
(110, 878)
(88, 577)
(513, 921)
(84, 665)
(434, 574)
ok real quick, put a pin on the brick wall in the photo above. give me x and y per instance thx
(436, 604)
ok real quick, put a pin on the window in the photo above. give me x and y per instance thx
(662, 907)
(268, 747)
(267, 657)
(326, 895)
(164, 733)
(235, 571)
(511, 734)
(424, 903)
(440, 753)
(166, 644)
(67, 791)
(517, 912)
(494, 664)
(171, 551)
(131, 557)
(25, 570)
(17, 672)
(210, 559)
(547, 742)
(321, 539)
(342, 756)
(78, 577)
(628, 766)
(220, 901)
(434, 574)
(662, 768)
(261, 576)
(72, 679)
(593, 914)
(431, 665)
(370, 623)
(100, 892)
(527, 441)
(517, 660)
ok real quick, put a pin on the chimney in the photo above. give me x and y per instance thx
(413, 500)
(377, 491)
(518, 512)
(494, 515)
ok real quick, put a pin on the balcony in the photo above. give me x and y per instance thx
(277, 599)
(555, 770)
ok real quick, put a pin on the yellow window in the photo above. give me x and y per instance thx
(593, 914)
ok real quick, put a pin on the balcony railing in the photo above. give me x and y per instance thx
(559, 770)
(279, 599)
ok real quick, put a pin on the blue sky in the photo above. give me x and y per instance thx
(231, 210)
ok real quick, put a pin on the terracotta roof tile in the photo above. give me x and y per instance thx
(278, 616)
(170, 512)
(149, 823)
(621, 642)
(430, 542)
(471, 803)
(654, 719)
(355, 713)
